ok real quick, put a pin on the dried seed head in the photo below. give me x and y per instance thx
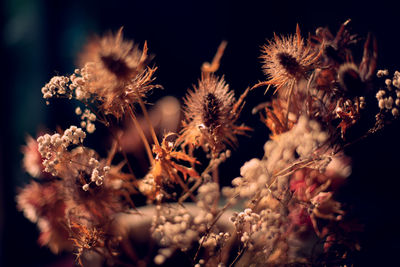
(114, 56)
(287, 59)
(210, 115)
(290, 63)
(211, 110)
(114, 72)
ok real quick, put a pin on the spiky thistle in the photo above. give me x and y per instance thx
(116, 59)
(210, 115)
(114, 72)
(286, 60)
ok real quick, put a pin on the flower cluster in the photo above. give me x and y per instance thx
(76, 195)
(113, 73)
(53, 148)
(389, 97)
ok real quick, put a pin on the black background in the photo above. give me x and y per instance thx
(41, 38)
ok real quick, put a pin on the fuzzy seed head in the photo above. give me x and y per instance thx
(114, 72)
(113, 56)
(209, 115)
(287, 59)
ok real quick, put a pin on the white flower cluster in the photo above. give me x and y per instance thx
(389, 97)
(382, 73)
(98, 173)
(78, 81)
(207, 196)
(58, 85)
(259, 231)
(396, 79)
(147, 186)
(72, 86)
(300, 143)
(254, 177)
(213, 240)
(174, 227)
(87, 118)
(52, 147)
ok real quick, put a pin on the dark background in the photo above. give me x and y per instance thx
(40, 39)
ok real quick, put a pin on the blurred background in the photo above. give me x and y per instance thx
(40, 39)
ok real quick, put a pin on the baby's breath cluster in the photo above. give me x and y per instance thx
(53, 147)
(207, 195)
(175, 227)
(57, 86)
(214, 240)
(113, 76)
(98, 174)
(88, 119)
(260, 232)
(296, 147)
(389, 96)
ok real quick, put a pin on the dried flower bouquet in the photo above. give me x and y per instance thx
(322, 102)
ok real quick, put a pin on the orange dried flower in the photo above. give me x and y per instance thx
(166, 166)
(210, 114)
(85, 238)
(275, 118)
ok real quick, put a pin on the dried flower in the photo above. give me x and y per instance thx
(32, 161)
(165, 170)
(287, 60)
(113, 75)
(114, 72)
(44, 205)
(115, 60)
(85, 238)
(289, 213)
(53, 148)
(210, 115)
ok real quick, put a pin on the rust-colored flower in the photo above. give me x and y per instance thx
(43, 204)
(32, 161)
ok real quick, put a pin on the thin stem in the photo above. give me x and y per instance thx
(117, 143)
(128, 164)
(227, 248)
(185, 188)
(207, 232)
(142, 135)
(288, 105)
(191, 190)
(147, 118)
(215, 175)
(240, 253)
